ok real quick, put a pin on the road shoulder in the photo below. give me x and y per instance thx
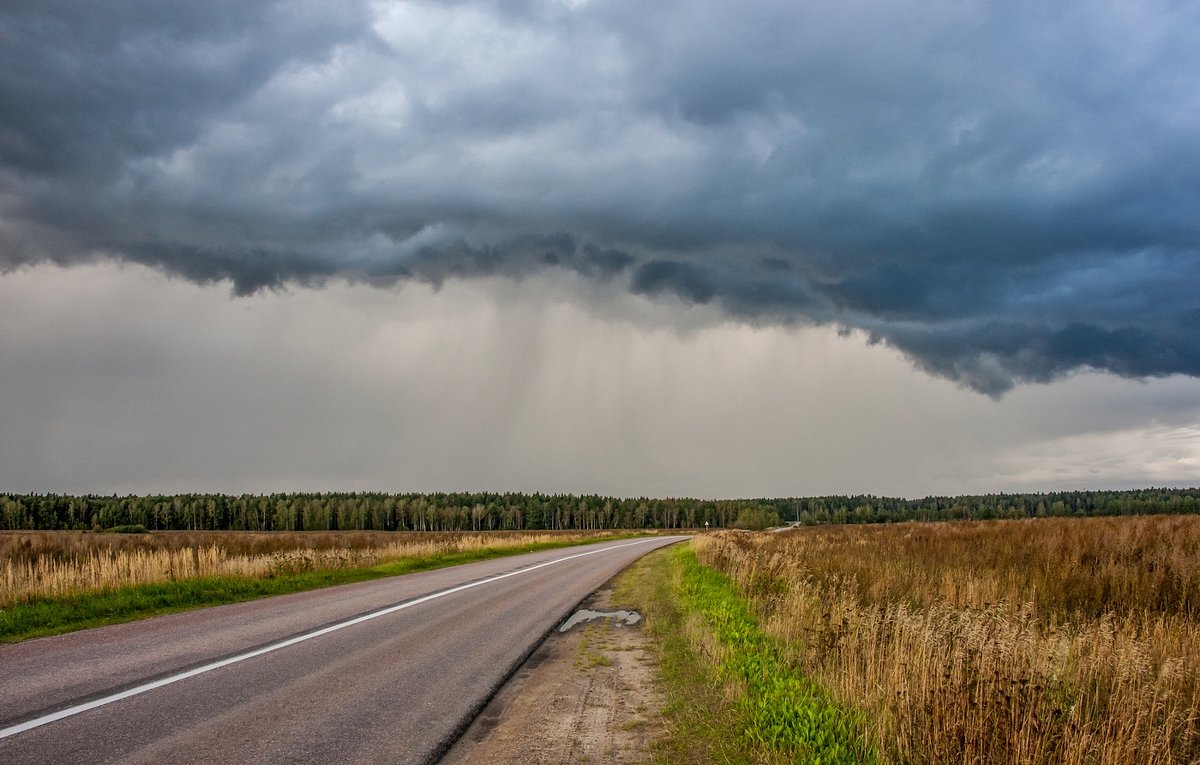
(586, 695)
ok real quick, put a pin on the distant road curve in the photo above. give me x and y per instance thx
(388, 671)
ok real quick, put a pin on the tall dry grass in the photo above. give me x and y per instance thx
(47, 563)
(1042, 641)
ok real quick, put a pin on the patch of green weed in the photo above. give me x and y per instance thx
(779, 708)
(731, 696)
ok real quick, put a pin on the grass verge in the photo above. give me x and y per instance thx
(39, 617)
(731, 696)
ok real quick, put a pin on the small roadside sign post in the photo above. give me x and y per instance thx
(706, 525)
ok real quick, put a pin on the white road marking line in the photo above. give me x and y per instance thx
(79, 708)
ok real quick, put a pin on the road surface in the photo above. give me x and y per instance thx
(383, 671)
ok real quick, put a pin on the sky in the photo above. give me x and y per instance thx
(701, 249)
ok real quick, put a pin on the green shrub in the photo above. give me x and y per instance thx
(757, 518)
(130, 528)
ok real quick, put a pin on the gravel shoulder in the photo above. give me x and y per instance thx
(584, 696)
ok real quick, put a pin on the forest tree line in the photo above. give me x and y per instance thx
(491, 511)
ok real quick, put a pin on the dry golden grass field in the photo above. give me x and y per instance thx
(1039, 641)
(49, 563)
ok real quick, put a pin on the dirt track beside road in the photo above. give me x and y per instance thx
(586, 695)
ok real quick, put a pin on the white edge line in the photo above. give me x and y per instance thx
(37, 722)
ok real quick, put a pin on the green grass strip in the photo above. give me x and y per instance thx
(780, 710)
(700, 730)
(39, 617)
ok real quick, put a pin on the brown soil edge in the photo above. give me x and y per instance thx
(569, 664)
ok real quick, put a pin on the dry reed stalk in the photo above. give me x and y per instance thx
(955, 671)
(39, 564)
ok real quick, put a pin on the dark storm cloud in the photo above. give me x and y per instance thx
(88, 86)
(1004, 191)
(685, 280)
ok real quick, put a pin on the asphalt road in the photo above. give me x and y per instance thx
(388, 671)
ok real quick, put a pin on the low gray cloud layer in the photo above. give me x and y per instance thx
(117, 379)
(1004, 191)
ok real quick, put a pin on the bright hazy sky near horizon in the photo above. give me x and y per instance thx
(709, 249)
